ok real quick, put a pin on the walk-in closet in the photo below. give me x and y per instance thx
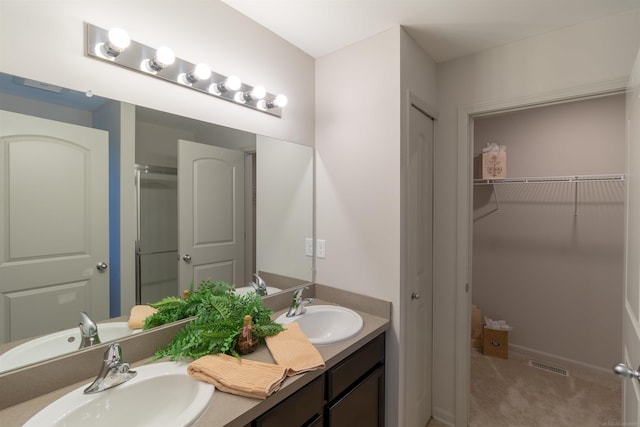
(548, 247)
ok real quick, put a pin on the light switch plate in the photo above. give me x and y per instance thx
(308, 246)
(321, 249)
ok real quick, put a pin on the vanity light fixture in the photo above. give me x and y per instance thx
(116, 47)
(163, 57)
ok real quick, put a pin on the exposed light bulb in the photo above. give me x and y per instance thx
(119, 40)
(281, 101)
(201, 72)
(163, 58)
(231, 83)
(258, 92)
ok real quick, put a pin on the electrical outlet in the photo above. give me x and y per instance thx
(321, 248)
(308, 246)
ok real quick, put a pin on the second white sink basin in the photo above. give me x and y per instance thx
(162, 394)
(326, 324)
(246, 289)
(57, 344)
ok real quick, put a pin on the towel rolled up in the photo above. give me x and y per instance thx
(292, 349)
(243, 377)
(138, 315)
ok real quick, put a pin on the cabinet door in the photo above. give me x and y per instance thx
(300, 409)
(361, 406)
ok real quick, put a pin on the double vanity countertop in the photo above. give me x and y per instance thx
(231, 410)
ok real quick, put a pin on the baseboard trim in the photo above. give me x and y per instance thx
(445, 417)
(559, 360)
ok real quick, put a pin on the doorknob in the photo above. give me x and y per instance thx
(187, 258)
(415, 295)
(102, 266)
(625, 371)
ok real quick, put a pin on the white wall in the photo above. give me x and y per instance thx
(590, 53)
(360, 123)
(284, 207)
(358, 178)
(45, 40)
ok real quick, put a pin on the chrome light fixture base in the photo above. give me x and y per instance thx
(136, 57)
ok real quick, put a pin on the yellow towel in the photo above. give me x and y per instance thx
(138, 314)
(291, 348)
(243, 377)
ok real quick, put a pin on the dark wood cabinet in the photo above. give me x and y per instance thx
(351, 393)
(300, 409)
(362, 405)
(355, 388)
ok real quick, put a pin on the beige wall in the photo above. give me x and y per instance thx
(587, 54)
(556, 277)
(44, 40)
(361, 105)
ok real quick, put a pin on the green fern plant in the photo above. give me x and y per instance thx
(219, 315)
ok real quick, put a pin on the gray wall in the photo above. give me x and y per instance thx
(556, 277)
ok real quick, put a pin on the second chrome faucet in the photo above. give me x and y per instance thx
(298, 303)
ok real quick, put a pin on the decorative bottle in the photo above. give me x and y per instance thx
(246, 343)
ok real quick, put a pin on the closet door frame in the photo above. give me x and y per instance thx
(464, 219)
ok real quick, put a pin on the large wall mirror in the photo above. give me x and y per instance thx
(212, 203)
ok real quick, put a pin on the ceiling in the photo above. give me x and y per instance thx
(445, 29)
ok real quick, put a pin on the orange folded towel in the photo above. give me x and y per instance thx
(138, 314)
(291, 348)
(243, 377)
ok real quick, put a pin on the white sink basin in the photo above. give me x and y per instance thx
(162, 394)
(326, 324)
(57, 344)
(246, 289)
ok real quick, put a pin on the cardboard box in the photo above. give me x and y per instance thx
(492, 165)
(495, 343)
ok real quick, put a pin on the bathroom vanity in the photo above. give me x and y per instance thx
(348, 391)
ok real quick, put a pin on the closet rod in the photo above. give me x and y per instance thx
(550, 179)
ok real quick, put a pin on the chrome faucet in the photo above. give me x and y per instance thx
(88, 331)
(113, 371)
(259, 285)
(298, 304)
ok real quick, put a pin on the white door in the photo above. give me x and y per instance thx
(631, 305)
(54, 228)
(210, 214)
(418, 322)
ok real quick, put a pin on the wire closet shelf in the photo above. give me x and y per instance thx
(550, 179)
(575, 179)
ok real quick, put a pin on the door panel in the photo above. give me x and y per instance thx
(53, 225)
(210, 214)
(418, 322)
(631, 305)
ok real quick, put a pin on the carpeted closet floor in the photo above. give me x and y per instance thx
(510, 393)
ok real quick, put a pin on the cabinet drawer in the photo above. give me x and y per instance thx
(363, 405)
(298, 409)
(347, 372)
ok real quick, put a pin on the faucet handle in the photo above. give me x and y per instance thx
(113, 354)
